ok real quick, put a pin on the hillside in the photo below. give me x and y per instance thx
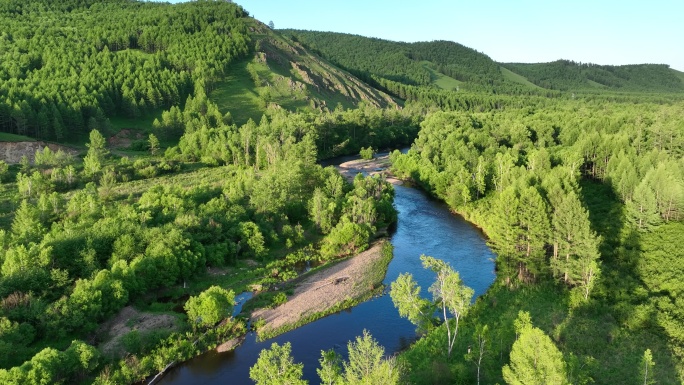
(415, 64)
(70, 66)
(567, 75)
(404, 62)
(281, 73)
(160, 161)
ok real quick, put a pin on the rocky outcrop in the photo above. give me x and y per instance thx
(11, 152)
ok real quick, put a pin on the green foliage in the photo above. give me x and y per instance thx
(366, 153)
(153, 144)
(276, 366)
(136, 60)
(346, 238)
(569, 75)
(449, 295)
(534, 358)
(646, 368)
(405, 294)
(366, 364)
(210, 307)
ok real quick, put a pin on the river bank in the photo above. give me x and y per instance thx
(334, 288)
(424, 226)
(379, 165)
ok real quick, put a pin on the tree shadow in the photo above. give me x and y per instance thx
(618, 324)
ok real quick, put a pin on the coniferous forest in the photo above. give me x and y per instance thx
(176, 162)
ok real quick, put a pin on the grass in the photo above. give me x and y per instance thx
(7, 137)
(516, 78)
(596, 84)
(440, 80)
(237, 94)
(142, 124)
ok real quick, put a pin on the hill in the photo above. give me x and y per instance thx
(70, 66)
(407, 63)
(281, 73)
(567, 75)
(416, 64)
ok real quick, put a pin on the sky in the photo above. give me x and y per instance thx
(525, 31)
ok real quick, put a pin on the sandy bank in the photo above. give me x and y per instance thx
(326, 289)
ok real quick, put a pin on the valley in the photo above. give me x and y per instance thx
(177, 178)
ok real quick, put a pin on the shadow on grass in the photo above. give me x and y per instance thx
(619, 324)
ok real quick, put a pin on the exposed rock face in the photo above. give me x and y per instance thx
(11, 152)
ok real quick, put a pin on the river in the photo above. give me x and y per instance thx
(424, 226)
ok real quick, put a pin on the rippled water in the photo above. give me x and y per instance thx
(424, 227)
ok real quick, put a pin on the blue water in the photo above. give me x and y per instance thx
(424, 227)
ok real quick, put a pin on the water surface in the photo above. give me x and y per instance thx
(424, 227)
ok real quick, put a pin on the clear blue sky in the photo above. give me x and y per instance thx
(528, 31)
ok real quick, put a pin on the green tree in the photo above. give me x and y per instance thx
(367, 364)
(450, 294)
(576, 255)
(330, 371)
(646, 367)
(3, 170)
(534, 359)
(346, 238)
(275, 366)
(322, 210)
(92, 163)
(405, 294)
(107, 183)
(476, 355)
(154, 144)
(367, 153)
(643, 207)
(210, 307)
(26, 226)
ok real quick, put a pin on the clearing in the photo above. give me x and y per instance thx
(130, 319)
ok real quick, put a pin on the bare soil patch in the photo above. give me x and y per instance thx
(324, 290)
(130, 319)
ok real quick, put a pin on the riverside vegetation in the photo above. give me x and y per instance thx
(575, 173)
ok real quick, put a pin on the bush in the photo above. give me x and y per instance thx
(367, 153)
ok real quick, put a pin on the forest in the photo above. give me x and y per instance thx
(575, 174)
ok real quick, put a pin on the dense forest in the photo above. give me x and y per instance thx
(568, 75)
(575, 173)
(66, 74)
(574, 197)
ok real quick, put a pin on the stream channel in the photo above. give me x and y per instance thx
(425, 226)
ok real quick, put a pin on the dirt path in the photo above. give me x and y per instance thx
(376, 166)
(324, 290)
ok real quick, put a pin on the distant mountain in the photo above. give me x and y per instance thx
(428, 63)
(418, 64)
(567, 75)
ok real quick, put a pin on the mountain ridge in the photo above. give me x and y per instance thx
(479, 70)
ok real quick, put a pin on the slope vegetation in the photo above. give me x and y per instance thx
(567, 75)
(282, 73)
(404, 62)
